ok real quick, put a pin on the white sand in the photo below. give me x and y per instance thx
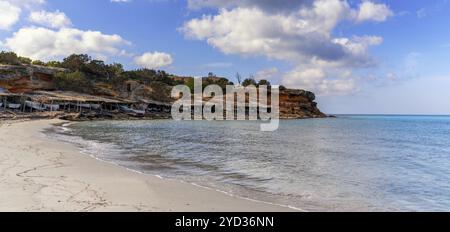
(40, 174)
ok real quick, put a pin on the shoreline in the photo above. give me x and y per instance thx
(42, 174)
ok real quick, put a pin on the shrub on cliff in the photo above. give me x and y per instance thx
(24, 60)
(147, 76)
(249, 81)
(76, 62)
(264, 82)
(9, 58)
(54, 64)
(38, 62)
(12, 58)
(75, 81)
(92, 69)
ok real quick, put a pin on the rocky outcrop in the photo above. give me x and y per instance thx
(135, 91)
(26, 78)
(296, 104)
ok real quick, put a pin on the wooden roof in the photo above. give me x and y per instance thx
(148, 101)
(72, 96)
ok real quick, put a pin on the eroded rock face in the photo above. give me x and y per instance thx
(296, 104)
(135, 91)
(23, 79)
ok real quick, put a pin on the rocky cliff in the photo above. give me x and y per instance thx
(23, 79)
(294, 104)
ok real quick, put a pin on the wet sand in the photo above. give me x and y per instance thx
(38, 173)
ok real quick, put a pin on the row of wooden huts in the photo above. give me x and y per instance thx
(76, 102)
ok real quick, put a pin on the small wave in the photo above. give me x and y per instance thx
(65, 127)
(100, 150)
(246, 198)
(87, 147)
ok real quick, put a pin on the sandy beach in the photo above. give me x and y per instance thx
(41, 174)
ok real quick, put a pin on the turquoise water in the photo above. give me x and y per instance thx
(355, 163)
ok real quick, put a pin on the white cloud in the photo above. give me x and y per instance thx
(301, 35)
(45, 44)
(27, 3)
(269, 74)
(307, 78)
(218, 65)
(251, 31)
(9, 15)
(372, 11)
(55, 19)
(269, 5)
(316, 79)
(337, 87)
(367, 10)
(154, 60)
(53, 36)
(10, 11)
(357, 47)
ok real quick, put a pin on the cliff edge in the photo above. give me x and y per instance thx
(29, 79)
(297, 104)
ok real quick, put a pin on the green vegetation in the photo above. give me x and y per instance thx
(53, 64)
(83, 74)
(38, 62)
(24, 60)
(264, 82)
(93, 69)
(220, 81)
(7, 72)
(249, 81)
(9, 58)
(210, 80)
(74, 81)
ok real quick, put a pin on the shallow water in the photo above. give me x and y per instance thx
(356, 163)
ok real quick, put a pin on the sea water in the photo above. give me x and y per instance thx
(349, 163)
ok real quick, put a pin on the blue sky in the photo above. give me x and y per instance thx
(358, 56)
